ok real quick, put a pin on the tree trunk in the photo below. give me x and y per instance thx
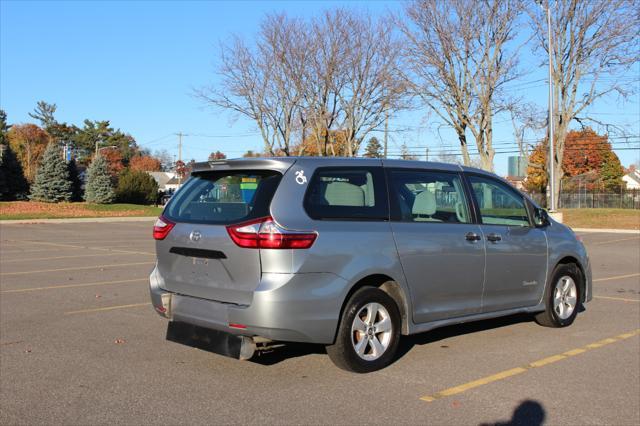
(466, 159)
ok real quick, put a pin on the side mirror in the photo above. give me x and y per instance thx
(541, 218)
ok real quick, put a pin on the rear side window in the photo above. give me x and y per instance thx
(224, 197)
(429, 196)
(353, 193)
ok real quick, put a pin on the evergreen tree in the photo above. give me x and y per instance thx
(99, 188)
(611, 171)
(52, 183)
(136, 187)
(76, 183)
(13, 184)
(373, 149)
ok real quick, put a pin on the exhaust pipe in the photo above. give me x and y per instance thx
(247, 348)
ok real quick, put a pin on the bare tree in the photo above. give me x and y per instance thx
(594, 43)
(321, 80)
(459, 59)
(257, 82)
(374, 84)
(525, 117)
(337, 73)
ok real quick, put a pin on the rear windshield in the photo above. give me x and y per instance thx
(224, 197)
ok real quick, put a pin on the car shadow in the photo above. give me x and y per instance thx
(287, 351)
(408, 342)
(527, 413)
(294, 350)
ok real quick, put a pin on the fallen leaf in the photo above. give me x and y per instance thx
(119, 341)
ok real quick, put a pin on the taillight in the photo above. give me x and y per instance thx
(267, 234)
(162, 227)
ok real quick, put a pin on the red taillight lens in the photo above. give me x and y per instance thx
(265, 233)
(162, 227)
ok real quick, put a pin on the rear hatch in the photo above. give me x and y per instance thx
(197, 257)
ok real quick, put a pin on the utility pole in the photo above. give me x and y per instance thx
(426, 154)
(386, 131)
(552, 178)
(180, 135)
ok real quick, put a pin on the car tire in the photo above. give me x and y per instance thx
(563, 296)
(369, 332)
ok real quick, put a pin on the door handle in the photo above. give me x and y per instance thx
(472, 236)
(494, 237)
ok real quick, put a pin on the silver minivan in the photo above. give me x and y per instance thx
(353, 253)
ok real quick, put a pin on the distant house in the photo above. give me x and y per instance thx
(165, 180)
(632, 179)
(172, 184)
(516, 181)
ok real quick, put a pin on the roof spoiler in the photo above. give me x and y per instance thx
(280, 164)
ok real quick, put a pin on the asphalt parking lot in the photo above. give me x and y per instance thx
(80, 344)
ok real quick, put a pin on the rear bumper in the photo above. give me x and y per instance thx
(285, 307)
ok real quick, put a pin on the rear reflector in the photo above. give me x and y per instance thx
(234, 325)
(265, 233)
(162, 227)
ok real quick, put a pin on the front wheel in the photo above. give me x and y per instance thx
(562, 297)
(369, 332)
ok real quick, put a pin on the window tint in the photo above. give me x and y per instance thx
(499, 204)
(423, 196)
(224, 197)
(347, 193)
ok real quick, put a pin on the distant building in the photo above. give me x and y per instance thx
(517, 166)
(165, 180)
(632, 179)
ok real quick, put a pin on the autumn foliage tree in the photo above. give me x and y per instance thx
(537, 175)
(114, 160)
(28, 142)
(588, 161)
(333, 144)
(145, 163)
(217, 156)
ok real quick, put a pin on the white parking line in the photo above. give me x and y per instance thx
(79, 268)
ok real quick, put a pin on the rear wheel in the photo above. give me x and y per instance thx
(369, 332)
(562, 297)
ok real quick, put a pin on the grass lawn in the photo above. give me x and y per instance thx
(602, 218)
(38, 210)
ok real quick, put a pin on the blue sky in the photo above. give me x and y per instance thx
(137, 63)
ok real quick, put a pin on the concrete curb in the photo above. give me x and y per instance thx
(608, 231)
(81, 220)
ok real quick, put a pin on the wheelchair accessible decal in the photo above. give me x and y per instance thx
(301, 179)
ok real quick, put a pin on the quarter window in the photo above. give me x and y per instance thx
(424, 196)
(355, 193)
(499, 204)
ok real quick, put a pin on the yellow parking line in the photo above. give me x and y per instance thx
(66, 257)
(79, 268)
(53, 287)
(519, 370)
(615, 241)
(480, 382)
(622, 299)
(549, 360)
(108, 308)
(617, 277)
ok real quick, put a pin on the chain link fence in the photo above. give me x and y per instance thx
(625, 199)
